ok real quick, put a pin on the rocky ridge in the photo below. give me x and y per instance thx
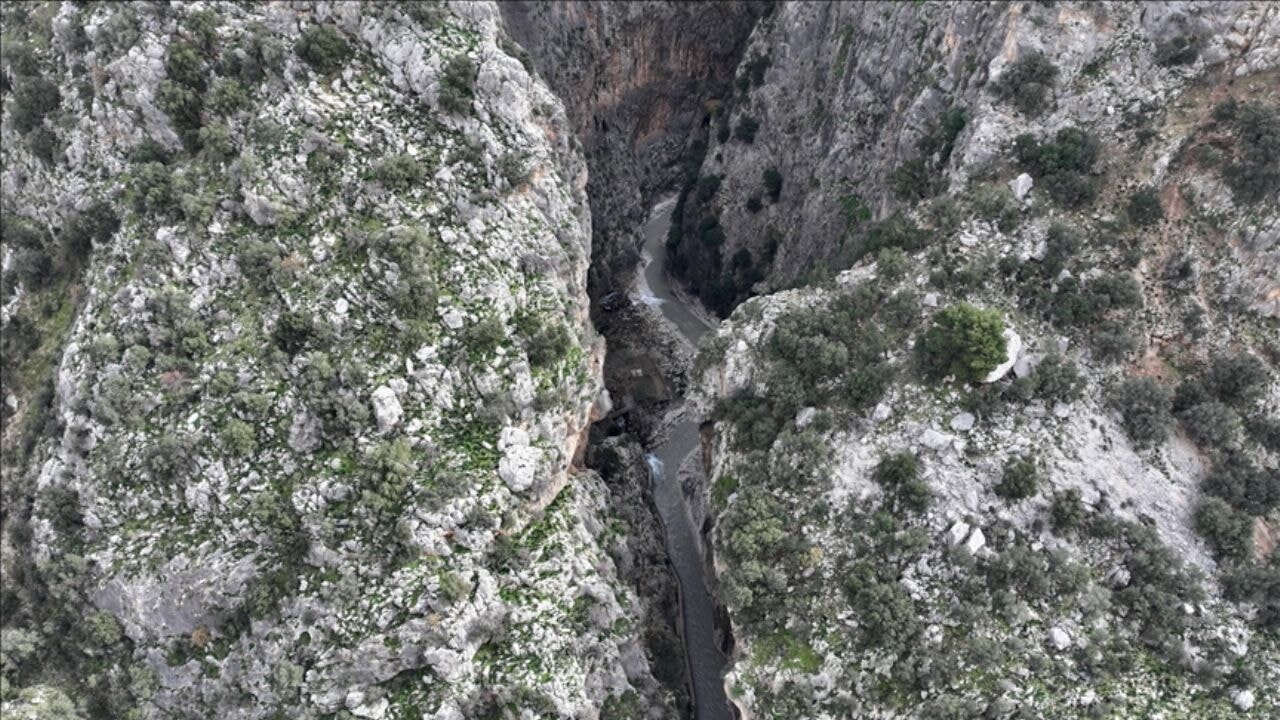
(315, 437)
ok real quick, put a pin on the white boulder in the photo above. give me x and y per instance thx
(386, 408)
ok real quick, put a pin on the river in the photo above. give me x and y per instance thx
(684, 545)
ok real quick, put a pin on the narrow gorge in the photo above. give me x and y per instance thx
(639, 360)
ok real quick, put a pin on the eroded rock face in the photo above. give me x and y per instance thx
(316, 410)
(635, 78)
(848, 90)
(851, 580)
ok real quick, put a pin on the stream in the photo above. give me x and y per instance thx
(684, 545)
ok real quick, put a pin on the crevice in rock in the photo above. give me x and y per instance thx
(636, 80)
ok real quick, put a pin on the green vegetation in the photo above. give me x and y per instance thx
(33, 99)
(1228, 531)
(400, 172)
(963, 342)
(324, 49)
(753, 72)
(1254, 172)
(773, 183)
(1026, 83)
(183, 91)
(922, 177)
(1067, 511)
(1055, 379)
(899, 475)
(1145, 408)
(1020, 479)
(1062, 165)
(457, 85)
(746, 129)
(1144, 207)
(1178, 50)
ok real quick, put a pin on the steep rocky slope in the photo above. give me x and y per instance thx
(1090, 531)
(298, 372)
(300, 379)
(636, 78)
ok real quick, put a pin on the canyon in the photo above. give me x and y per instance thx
(598, 359)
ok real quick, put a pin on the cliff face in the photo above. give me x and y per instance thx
(899, 536)
(308, 283)
(842, 95)
(636, 78)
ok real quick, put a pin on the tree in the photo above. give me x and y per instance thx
(746, 129)
(1227, 530)
(1027, 82)
(773, 183)
(1145, 408)
(1144, 207)
(964, 342)
(324, 49)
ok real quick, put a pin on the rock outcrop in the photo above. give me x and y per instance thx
(315, 414)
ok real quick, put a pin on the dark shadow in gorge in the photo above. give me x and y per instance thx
(635, 79)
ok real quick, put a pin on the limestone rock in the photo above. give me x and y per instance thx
(1021, 185)
(386, 408)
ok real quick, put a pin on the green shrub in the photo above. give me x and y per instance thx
(891, 263)
(32, 100)
(997, 205)
(1020, 478)
(1228, 531)
(1067, 510)
(710, 232)
(752, 417)
(545, 345)
(724, 486)
(1179, 50)
(1210, 424)
(746, 129)
(899, 475)
(1260, 584)
(226, 96)
(964, 342)
(483, 338)
(1235, 478)
(941, 138)
(1144, 207)
(1255, 174)
(1027, 83)
(152, 190)
(294, 331)
(239, 438)
(1061, 245)
(399, 172)
(457, 85)
(754, 204)
(1112, 342)
(754, 70)
(170, 459)
(1062, 165)
(773, 183)
(1236, 379)
(708, 186)
(898, 231)
(323, 48)
(1055, 379)
(886, 615)
(1145, 408)
(94, 226)
(922, 177)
